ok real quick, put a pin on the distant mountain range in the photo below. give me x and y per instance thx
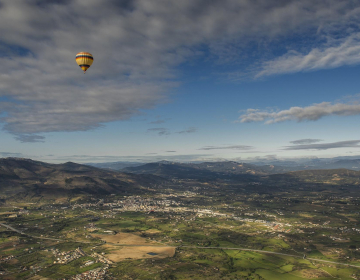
(28, 178)
(331, 172)
(322, 176)
(254, 167)
(208, 170)
(118, 165)
(348, 162)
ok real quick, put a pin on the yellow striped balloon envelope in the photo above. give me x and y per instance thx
(84, 60)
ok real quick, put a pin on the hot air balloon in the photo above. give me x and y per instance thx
(84, 60)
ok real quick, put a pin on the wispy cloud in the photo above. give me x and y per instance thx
(341, 52)
(310, 113)
(31, 138)
(165, 131)
(326, 146)
(7, 154)
(159, 130)
(189, 130)
(234, 147)
(305, 141)
(171, 151)
(159, 121)
(143, 158)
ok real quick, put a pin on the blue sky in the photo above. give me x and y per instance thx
(189, 80)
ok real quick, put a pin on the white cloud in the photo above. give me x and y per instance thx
(345, 52)
(310, 113)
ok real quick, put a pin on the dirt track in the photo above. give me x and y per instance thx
(124, 238)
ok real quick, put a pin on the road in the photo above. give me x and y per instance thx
(38, 237)
(143, 245)
(270, 252)
(235, 248)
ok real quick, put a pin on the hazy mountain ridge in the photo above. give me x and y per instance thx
(117, 165)
(210, 169)
(324, 176)
(245, 172)
(348, 162)
(171, 170)
(254, 167)
(233, 167)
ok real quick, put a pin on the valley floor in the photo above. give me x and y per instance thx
(186, 230)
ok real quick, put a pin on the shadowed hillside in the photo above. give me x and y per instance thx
(25, 177)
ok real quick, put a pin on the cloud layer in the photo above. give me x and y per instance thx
(7, 154)
(159, 130)
(305, 141)
(141, 158)
(234, 147)
(165, 131)
(310, 113)
(325, 146)
(24, 138)
(137, 46)
(189, 130)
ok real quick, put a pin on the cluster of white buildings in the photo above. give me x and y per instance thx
(66, 257)
(137, 203)
(7, 258)
(94, 274)
(101, 258)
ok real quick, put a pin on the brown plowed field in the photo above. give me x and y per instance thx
(138, 249)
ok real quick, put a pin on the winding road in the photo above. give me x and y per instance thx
(33, 236)
(270, 252)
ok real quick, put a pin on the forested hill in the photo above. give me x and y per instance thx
(34, 178)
